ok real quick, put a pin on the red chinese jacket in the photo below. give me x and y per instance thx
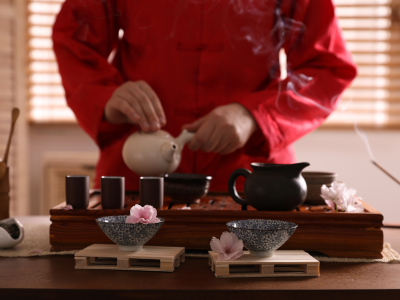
(197, 55)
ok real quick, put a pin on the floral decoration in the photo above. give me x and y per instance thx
(228, 246)
(185, 208)
(143, 214)
(341, 198)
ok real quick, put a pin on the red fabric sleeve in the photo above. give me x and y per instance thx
(84, 35)
(319, 69)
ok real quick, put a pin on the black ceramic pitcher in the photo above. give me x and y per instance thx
(271, 187)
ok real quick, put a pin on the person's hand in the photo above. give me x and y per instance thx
(135, 102)
(224, 130)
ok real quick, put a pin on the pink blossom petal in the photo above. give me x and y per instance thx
(148, 211)
(153, 215)
(330, 204)
(226, 240)
(231, 256)
(68, 207)
(144, 221)
(155, 220)
(237, 254)
(237, 244)
(131, 219)
(216, 245)
(137, 211)
(221, 256)
(356, 208)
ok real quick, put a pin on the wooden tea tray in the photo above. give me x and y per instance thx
(150, 258)
(319, 229)
(284, 263)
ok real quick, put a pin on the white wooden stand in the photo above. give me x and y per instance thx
(109, 257)
(284, 263)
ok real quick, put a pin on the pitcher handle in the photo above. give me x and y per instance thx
(232, 185)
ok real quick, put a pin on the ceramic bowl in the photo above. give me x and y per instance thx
(128, 236)
(11, 233)
(314, 182)
(262, 237)
(186, 188)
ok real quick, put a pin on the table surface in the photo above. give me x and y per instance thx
(54, 277)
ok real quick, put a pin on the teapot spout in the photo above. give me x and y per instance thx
(168, 151)
(183, 138)
(300, 166)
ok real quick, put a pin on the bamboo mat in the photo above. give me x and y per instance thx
(389, 256)
(36, 243)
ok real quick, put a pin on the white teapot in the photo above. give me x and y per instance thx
(155, 153)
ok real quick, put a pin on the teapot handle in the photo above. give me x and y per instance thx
(232, 185)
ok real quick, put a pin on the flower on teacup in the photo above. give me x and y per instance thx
(228, 246)
(143, 214)
(68, 207)
(341, 198)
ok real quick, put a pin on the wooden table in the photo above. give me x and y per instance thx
(54, 277)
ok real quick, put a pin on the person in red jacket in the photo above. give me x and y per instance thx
(210, 66)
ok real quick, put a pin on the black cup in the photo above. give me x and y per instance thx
(152, 191)
(112, 192)
(77, 191)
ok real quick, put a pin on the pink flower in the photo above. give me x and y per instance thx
(185, 208)
(353, 204)
(68, 207)
(146, 215)
(229, 247)
(333, 195)
(341, 198)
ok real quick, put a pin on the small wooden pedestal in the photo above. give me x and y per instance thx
(284, 263)
(109, 257)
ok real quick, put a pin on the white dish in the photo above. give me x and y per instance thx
(6, 241)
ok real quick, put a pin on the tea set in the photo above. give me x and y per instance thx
(269, 187)
(275, 187)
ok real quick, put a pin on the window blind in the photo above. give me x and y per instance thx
(7, 92)
(6, 70)
(368, 26)
(46, 94)
(373, 36)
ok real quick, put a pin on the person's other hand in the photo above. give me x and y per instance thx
(135, 102)
(224, 130)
